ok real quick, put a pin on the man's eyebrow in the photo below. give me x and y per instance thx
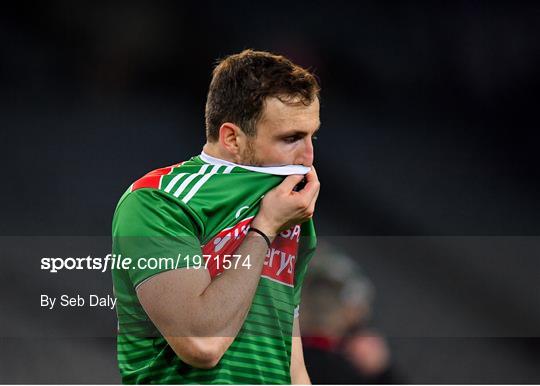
(299, 132)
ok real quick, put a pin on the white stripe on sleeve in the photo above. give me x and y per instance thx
(186, 182)
(173, 182)
(200, 183)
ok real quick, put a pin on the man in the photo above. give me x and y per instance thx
(224, 309)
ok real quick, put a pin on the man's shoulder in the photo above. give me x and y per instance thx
(154, 179)
(149, 190)
(159, 179)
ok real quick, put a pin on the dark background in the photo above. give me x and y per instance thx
(429, 128)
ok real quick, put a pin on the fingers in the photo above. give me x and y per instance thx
(312, 180)
(284, 205)
(291, 181)
(312, 174)
(314, 199)
(312, 185)
(309, 194)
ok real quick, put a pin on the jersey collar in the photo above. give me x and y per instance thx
(285, 170)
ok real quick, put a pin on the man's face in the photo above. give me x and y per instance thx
(284, 135)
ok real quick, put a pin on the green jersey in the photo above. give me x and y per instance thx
(194, 215)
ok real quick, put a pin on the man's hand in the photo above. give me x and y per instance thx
(282, 207)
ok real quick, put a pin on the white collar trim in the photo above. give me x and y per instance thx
(285, 170)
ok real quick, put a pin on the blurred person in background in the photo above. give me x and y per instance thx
(339, 347)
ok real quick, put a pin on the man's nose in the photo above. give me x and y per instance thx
(307, 153)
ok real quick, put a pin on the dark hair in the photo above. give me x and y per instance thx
(241, 83)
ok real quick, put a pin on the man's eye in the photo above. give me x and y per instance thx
(315, 137)
(292, 139)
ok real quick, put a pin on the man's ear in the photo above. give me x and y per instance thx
(231, 138)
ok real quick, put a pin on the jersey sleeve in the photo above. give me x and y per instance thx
(306, 249)
(156, 233)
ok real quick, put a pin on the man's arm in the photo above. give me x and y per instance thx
(200, 318)
(299, 374)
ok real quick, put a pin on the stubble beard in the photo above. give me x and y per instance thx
(249, 156)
